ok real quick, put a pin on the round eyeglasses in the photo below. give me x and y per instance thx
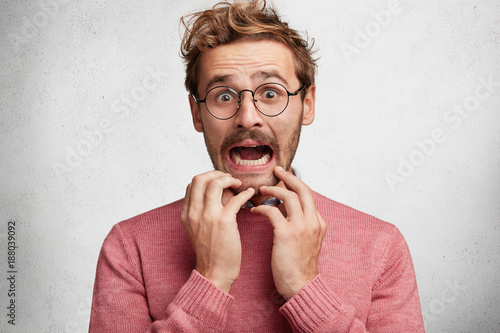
(270, 99)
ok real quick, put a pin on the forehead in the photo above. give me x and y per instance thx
(247, 62)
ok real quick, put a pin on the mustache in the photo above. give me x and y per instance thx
(234, 138)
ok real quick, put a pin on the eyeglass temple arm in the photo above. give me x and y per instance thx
(198, 100)
(295, 93)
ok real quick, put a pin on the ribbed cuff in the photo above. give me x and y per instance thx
(316, 308)
(201, 299)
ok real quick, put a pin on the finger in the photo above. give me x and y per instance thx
(290, 199)
(215, 188)
(199, 187)
(185, 204)
(296, 185)
(322, 224)
(234, 205)
(272, 213)
(227, 194)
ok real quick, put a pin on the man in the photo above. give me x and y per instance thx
(251, 248)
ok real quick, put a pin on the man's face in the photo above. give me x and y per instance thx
(250, 145)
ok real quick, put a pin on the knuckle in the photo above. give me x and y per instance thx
(191, 216)
(215, 183)
(323, 225)
(319, 227)
(197, 179)
(324, 228)
(208, 217)
(316, 229)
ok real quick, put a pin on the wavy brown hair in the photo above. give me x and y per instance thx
(228, 22)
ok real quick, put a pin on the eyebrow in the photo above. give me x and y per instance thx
(220, 79)
(262, 75)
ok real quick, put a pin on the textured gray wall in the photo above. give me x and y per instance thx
(95, 128)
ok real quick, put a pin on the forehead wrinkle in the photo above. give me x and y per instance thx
(233, 63)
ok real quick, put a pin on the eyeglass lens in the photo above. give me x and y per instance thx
(270, 99)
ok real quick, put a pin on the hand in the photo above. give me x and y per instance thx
(299, 230)
(209, 217)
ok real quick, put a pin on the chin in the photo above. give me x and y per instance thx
(255, 182)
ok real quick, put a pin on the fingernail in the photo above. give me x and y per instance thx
(279, 167)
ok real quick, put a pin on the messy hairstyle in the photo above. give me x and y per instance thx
(229, 22)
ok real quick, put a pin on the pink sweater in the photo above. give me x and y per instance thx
(145, 280)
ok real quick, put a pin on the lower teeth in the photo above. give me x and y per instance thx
(261, 161)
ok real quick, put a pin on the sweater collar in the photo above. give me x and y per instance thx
(271, 201)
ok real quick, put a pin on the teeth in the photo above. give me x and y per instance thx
(254, 146)
(261, 161)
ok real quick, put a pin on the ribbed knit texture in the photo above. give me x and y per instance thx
(146, 282)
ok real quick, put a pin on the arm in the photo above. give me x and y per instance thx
(395, 303)
(312, 306)
(120, 303)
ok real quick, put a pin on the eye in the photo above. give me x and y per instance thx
(269, 94)
(225, 97)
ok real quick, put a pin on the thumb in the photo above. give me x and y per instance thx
(238, 200)
(227, 194)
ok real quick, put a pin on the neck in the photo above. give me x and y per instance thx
(259, 199)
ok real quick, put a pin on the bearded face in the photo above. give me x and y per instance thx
(249, 145)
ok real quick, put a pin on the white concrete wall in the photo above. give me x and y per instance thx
(68, 69)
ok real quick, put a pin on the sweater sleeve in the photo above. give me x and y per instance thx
(120, 302)
(395, 305)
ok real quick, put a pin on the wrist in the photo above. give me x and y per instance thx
(221, 282)
(293, 288)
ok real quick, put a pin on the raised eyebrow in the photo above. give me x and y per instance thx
(219, 79)
(265, 75)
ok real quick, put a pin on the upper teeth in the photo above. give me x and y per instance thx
(254, 146)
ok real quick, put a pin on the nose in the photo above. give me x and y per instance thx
(247, 116)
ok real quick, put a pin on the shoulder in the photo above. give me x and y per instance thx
(151, 224)
(344, 214)
(345, 221)
(359, 236)
(154, 218)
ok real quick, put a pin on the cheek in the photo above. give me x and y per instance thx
(286, 129)
(211, 126)
(288, 137)
(214, 133)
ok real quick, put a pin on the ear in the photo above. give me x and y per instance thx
(309, 103)
(196, 114)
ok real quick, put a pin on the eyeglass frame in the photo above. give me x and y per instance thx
(253, 99)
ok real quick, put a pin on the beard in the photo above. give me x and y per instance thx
(283, 152)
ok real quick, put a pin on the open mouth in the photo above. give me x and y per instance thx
(251, 155)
